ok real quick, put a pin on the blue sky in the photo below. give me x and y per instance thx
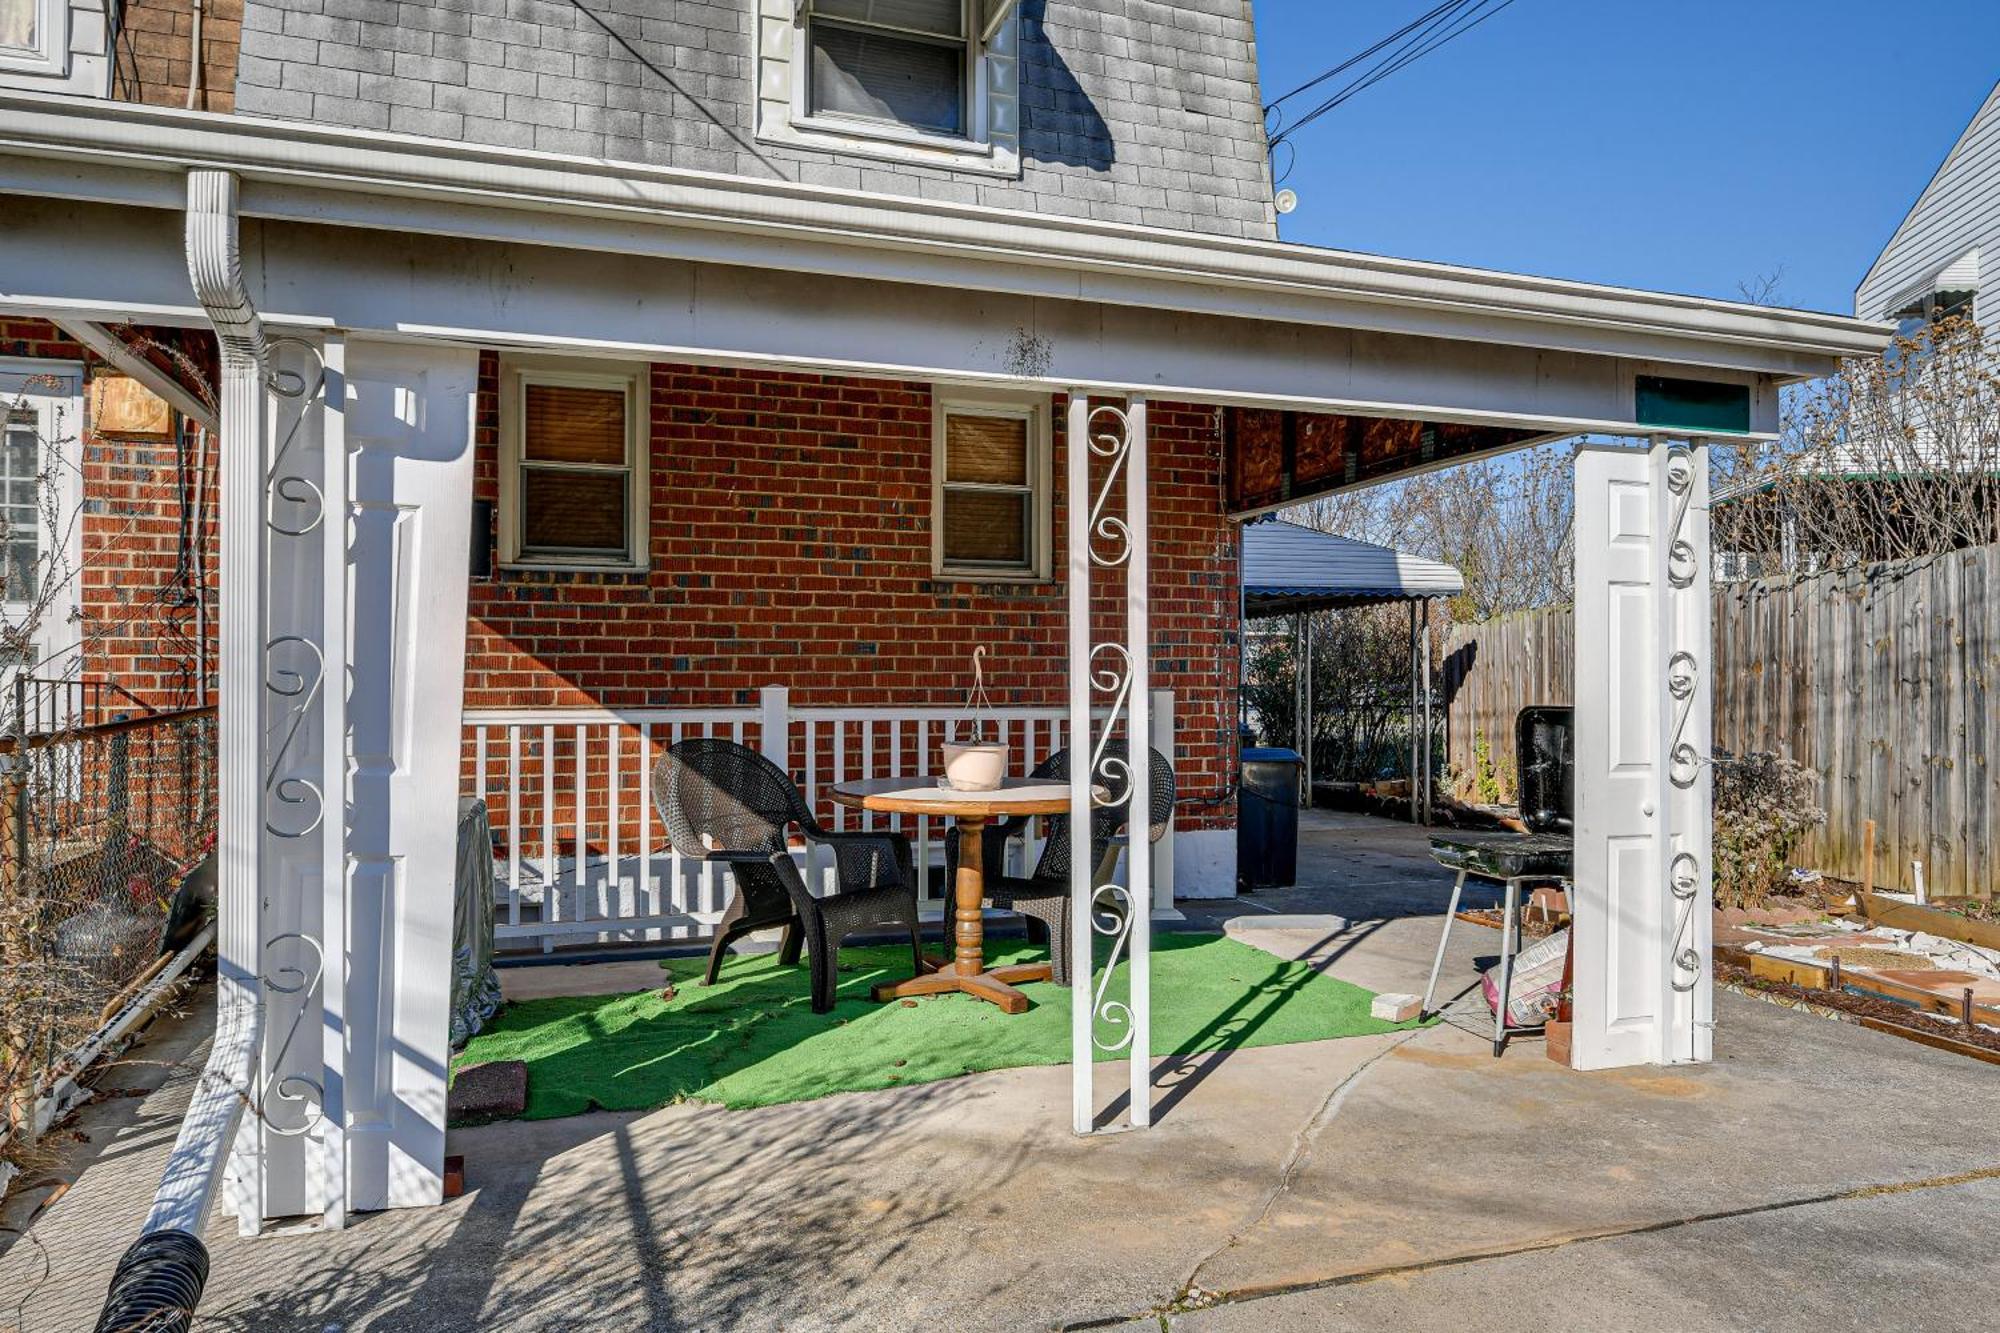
(1685, 145)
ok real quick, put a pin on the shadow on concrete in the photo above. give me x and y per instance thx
(687, 1219)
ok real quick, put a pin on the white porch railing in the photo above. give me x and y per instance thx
(579, 850)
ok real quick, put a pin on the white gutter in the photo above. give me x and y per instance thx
(193, 1174)
(308, 172)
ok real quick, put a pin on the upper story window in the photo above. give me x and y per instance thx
(572, 465)
(57, 46)
(28, 29)
(895, 62)
(935, 82)
(990, 488)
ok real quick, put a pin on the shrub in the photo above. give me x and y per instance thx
(1765, 804)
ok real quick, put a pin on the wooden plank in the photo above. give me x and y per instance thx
(1814, 976)
(1930, 920)
(1941, 1040)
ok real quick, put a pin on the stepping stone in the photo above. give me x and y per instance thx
(497, 1090)
(1395, 1007)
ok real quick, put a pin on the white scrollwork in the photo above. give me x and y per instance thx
(302, 687)
(293, 489)
(1111, 916)
(291, 1089)
(1683, 564)
(1114, 445)
(1111, 675)
(1684, 882)
(1683, 759)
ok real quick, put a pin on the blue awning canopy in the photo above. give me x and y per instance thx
(1288, 568)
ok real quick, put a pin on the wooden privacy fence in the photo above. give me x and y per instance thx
(1884, 679)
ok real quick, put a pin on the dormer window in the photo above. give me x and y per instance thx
(935, 82)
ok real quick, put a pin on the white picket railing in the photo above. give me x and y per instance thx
(580, 853)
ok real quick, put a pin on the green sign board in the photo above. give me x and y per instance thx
(1699, 406)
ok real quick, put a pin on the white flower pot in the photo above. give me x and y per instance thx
(975, 765)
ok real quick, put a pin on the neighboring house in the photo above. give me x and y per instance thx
(1932, 266)
(1942, 262)
(594, 375)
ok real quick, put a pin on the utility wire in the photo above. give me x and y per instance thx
(1418, 38)
(1357, 58)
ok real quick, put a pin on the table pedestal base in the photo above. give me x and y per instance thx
(996, 985)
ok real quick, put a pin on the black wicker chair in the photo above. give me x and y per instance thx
(1043, 897)
(725, 802)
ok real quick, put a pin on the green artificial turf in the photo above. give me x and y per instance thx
(753, 1040)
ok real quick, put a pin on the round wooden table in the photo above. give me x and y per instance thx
(967, 971)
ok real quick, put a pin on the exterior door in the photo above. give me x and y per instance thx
(1641, 895)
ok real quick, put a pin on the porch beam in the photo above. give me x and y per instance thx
(406, 287)
(304, 171)
(114, 350)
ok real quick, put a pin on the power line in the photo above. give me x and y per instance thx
(1357, 58)
(1426, 33)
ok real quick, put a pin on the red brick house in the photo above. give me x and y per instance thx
(562, 415)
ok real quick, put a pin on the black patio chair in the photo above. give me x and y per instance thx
(1043, 897)
(725, 802)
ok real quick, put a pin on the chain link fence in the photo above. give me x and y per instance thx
(105, 810)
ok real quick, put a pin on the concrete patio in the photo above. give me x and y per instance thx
(1816, 1175)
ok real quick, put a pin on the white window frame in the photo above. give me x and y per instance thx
(972, 89)
(990, 144)
(516, 374)
(62, 425)
(50, 54)
(1041, 485)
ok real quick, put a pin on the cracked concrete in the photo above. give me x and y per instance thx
(1403, 1181)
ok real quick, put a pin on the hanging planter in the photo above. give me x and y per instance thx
(972, 763)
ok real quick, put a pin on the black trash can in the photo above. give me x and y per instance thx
(1267, 819)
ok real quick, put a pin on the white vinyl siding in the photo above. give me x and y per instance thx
(1957, 213)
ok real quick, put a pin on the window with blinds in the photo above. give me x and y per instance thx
(573, 471)
(903, 62)
(990, 491)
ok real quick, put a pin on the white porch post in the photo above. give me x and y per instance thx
(1076, 497)
(1643, 973)
(1100, 537)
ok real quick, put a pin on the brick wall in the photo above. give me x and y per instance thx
(791, 545)
(144, 553)
(153, 53)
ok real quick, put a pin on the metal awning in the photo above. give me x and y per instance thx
(1289, 568)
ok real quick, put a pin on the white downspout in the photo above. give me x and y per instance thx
(188, 1188)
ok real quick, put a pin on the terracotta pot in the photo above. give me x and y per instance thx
(1556, 1041)
(975, 765)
